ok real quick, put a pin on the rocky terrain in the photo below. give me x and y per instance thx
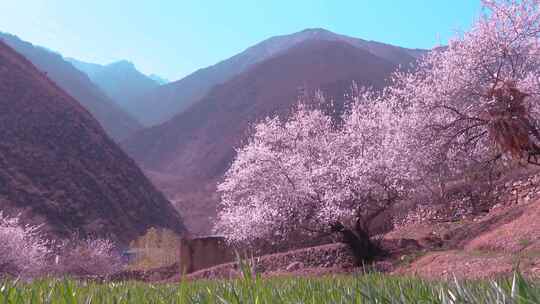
(493, 245)
(484, 245)
(59, 168)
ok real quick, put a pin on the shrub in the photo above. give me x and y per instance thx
(23, 250)
(88, 257)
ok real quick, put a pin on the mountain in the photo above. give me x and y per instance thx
(164, 102)
(120, 80)
(198, 144)
(116, 122)
(90, 69)
(159, 80)
(59, 168)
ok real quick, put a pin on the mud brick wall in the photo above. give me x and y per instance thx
(204, 252)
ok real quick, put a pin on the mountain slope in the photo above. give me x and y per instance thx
(198, 145)
(121, 81)
(58, 167)
(116, 122)
(164, 102)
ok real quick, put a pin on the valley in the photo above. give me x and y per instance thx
(153, 157)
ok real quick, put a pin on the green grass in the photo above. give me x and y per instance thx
(525, 242)
(369, 288)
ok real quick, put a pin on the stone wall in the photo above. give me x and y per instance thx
(518, 191)
(515, 187)
(337, 255)
(204, 252)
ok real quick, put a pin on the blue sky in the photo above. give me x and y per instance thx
(173, 38)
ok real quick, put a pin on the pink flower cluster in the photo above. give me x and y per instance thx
(92, 256)
(22, 250)
(307, 172)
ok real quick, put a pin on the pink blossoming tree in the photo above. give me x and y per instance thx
(87, 257)
(309, 174)
(23, 252)
(464, 107)
(477, 99)
(474, 105)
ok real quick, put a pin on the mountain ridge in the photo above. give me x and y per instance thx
(118, 124)
(60, 169)
(164, 102)
(123, 82)
(119, 80)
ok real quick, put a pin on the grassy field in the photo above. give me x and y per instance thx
(369, 288)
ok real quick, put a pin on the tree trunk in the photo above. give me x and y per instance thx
(358, 240)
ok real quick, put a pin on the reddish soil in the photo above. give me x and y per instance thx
(447, 264)
(484, 247)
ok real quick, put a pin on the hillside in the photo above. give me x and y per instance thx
(198, 145)
(121, 81)
(58, 167)
(484, 245)
(117, 123)
(163, 103)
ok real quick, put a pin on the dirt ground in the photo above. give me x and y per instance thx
(505, 239)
